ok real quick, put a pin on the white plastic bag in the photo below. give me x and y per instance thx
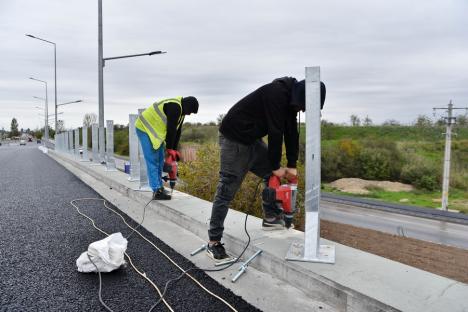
(45, 150)
(107, 254)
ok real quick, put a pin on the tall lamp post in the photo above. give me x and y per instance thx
(101, 64)
(55, 72)
(46, 110)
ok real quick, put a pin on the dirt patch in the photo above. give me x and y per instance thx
(442, 260)
(361, 186)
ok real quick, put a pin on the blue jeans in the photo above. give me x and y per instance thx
(154, 160)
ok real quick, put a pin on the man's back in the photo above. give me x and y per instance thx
(253, 116)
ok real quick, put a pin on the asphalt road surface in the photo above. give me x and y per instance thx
(440, 232)
(42, 235)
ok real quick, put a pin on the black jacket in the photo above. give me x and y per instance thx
(266, 111)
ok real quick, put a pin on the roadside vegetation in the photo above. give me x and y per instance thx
(390, 152)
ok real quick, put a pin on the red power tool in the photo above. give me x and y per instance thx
(170, 166)
(284, 195)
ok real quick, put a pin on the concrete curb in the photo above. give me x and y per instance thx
(357, 282)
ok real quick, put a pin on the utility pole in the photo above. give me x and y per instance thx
(450, 121)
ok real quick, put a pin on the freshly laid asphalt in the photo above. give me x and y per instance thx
(42, 235)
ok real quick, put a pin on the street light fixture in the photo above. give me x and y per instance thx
(55, 71)
(78, 101)
(46, 125)
(101, 63)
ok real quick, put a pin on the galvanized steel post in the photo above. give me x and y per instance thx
(110, 159)
(94, 142)
(70, 142)
(133, 149)
(144, 185)
(84, 143)
(77, 143)
(311, 250)
(65, 142)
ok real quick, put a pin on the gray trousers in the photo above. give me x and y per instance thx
(236, 160)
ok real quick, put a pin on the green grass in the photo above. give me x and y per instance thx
(458, 199)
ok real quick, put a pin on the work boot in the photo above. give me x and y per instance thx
(161, 194)
(272, 224)
(216, 251)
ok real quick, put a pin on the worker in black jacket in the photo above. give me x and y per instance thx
(269, 111)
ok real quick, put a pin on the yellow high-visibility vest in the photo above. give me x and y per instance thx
(153, 121)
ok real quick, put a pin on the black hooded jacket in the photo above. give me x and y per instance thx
(266, 111)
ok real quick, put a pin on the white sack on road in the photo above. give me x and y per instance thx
(107, 254)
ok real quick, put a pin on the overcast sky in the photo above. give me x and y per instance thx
(386, 59)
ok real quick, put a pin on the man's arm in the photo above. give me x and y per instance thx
(274, 101)
(179, 132)
(291, 140)
(173, 112)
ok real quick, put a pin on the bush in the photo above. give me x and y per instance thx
(200, 178)
(369, 159)
(374, 164)
(421, 173)
(121, 140)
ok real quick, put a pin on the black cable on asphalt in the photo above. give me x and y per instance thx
(142, 219)
(228, 265)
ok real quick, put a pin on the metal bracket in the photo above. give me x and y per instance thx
(245, 265)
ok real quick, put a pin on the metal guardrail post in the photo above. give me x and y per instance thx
(110, 159)
(70, 142)
(58, 142)
(94, 138)
(311, 250)
(144, 185)
(102, 144)
(65, 142)
(133, 149)
(84, 143)
(77, 143)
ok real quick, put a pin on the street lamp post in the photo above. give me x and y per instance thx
(55, 72)
(46, 110)
(101, 63)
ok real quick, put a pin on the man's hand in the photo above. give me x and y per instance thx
(291, 173)
(175, 154)
(280, 172)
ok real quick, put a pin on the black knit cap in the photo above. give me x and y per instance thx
(298, 94)
(189, 105)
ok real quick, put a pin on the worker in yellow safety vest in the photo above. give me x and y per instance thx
(158, 129)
